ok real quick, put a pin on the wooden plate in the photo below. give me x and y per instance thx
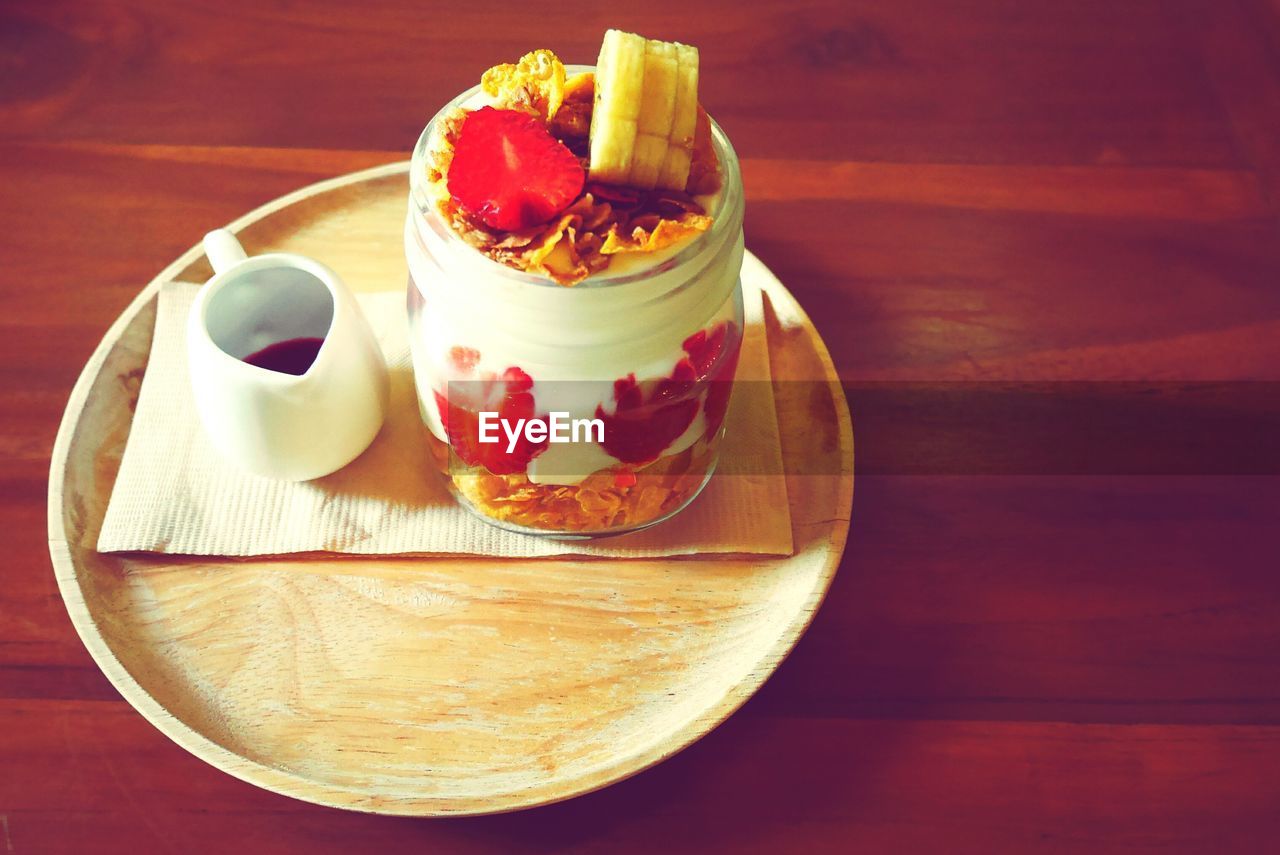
(433, 686)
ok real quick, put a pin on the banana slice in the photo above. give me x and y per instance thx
(614, 119)
(675, 167)
(657, 112)
(645, 115)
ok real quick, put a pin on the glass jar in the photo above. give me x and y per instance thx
(641, 356)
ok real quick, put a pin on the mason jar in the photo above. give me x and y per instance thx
(634, 365)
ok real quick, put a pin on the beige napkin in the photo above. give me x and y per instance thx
(175, 494)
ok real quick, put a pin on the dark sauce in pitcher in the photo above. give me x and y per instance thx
(292, 356)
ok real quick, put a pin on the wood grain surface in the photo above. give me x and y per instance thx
(1040, 239)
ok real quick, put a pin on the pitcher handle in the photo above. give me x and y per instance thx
(223, 250)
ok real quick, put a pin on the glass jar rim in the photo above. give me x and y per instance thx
(731, 190)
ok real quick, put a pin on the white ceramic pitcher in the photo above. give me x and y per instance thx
(274, 424)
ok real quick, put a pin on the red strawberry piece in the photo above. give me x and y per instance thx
(517, 380)
(681, 382)
(704, 349)
(648, 419)
(640, 430)
(720, 386)
(509, 172)
(511, 397)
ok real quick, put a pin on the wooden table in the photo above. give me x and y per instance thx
(1041, 241)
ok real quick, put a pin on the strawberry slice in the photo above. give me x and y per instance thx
(509, 172)
(705, 351)
(649, 417)
(510, 395)
(639, 430)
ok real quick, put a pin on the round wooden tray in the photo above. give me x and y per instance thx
(433, 686)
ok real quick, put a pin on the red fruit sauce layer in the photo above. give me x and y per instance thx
(647, 418)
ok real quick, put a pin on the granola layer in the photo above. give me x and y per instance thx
(610, 499)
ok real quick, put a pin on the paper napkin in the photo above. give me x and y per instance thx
(175, 494)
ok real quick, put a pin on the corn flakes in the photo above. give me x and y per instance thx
(608, 499)
(535, 84)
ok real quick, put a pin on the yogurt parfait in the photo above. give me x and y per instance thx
(574, 240)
